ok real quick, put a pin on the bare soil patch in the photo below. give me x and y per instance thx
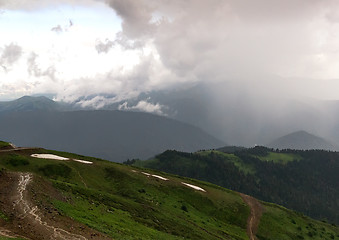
(254, 218)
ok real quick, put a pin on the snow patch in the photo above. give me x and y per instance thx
(156, 176)
(56, 157)
(50, 156)
(82, 161)
(160, 177)
(194, 187)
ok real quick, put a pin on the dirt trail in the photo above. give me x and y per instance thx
(6, 233)
(17, 149)
(32, 212)
(254, 218)
(27, 205)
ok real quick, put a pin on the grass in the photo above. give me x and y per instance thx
(123, 203)
(280, 223)
(110, 198)
(4, 144)
(281, 158)
(154, 208)
(241, 165)
(3, 216)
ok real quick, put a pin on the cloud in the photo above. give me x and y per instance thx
(144, 106)
(34, 70)
(57, 29)
(214, 39)
(170, 43)
(136, 16)
(103, 47)
(40, 4)
(10, 54)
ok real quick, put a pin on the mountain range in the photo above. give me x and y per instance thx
(188, 114)
(113, 135)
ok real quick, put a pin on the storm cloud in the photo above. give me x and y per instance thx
(167, 44)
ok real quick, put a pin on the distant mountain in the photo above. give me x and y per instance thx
(303, 141)
(112, 135)
(27, 103)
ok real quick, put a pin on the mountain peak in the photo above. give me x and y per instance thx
(302, 140)
(29, 103)
(32, 98)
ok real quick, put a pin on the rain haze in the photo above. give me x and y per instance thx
(259, 69)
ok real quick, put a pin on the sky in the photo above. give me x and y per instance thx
(116, 49)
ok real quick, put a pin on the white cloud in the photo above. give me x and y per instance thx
(144, 106)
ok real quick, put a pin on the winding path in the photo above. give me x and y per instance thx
(30, 211)
(254, 218)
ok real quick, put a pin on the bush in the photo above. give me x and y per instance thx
(56, 170)
(184, 208)
(17, 160)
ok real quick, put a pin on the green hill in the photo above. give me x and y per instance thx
(305, 181)
(96, 199)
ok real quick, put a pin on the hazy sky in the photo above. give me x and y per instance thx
(119, 48)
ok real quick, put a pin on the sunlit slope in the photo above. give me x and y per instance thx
(124, 202)
(306, 181)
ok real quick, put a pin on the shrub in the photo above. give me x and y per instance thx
(17, 160)
(184, 208)
(56, 170)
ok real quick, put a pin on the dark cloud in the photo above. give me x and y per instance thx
(136, 16)
(217, 38)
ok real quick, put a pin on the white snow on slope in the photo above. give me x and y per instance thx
(194, 187)
(56, 157)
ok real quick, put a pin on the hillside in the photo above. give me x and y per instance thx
(302, 140)
(306, 181)
(112, 135)
(79, 197)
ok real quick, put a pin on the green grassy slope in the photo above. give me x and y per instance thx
(304, 181)
(124, 203)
